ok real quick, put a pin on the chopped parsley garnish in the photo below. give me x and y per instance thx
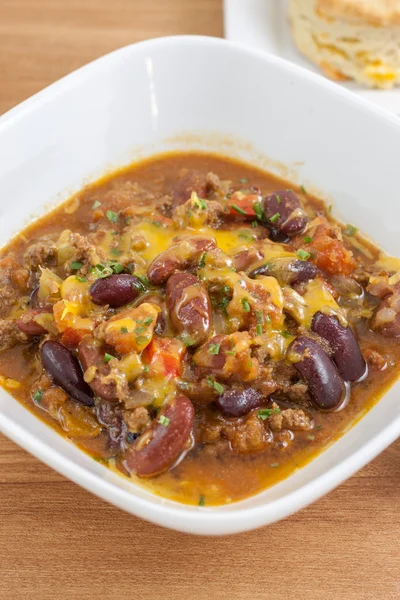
(117, 267)
(140, 329)
(81, 279)
(214, 384)
(106, 269)
(202, 500)
(311, 436)
(76, 264)
(278, 198)
(246, 236)
(112, 216)
(303, 189)
(224, 303)
(143, 279)
(238, 209)
(202, 260)
(350, 230)
(274, 465)
(254, 224)
(231, 352)
(146, 369)
(275, 218)
(148, 321)
(108, 357)
(156, 223)
(265, 413)
(37, 396)
(259, 329)
(164, 420)
(115, 252)
(214, 348)
(200, 203)
(258, 210)
(307, 239)
(318, 427)
(303, 254)
(285, 333)
(96, 204)
(246, 305)
(142, 339)
(243, 180)
(330, 208)
(124, 330)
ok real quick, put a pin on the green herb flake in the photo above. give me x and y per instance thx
(140, 329)
(142, 339)
(117, 268)
(148, 321)
(278, 198)
(274, 465)
(260, 317)
(143, 279)
(318, 427)
(202, 500)
(307, 239)
(258, 210)
(265, 413)
(311, 436)
(259, 329)
(81, 279)
(330, 208)
(214, 384)
(350, 230)
(230, 352)
(115, 252)
(200, 203)
(164, 420)
(246, 305)
(243, 180)
(112, 216)
(238, 209)
(37, 396)
(214, 349)
(303, 254)
(75, 265)
(108, 357)
(254, 224)
(286, 334)
(124, 330)
(146, 369)
(202, 260)
(96, 204)
(224, 303)
(303, 190)
(275, 218)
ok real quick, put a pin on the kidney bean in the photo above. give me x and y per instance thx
(189, 308)
(179, 257)
(27, 324)
(115, 290)
(193, 181)
(316, 368)
(287, 271)
(237, 403)
(65, 370)
(160, 445)
(285, 210)
(244, 259)
(343, 343)
(92, 355)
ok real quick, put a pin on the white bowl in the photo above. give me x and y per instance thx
(143, 99)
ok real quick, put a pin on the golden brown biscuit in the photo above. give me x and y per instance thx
(350, 39)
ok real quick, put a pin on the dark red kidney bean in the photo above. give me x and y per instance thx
(193, 181)
(343, 343)
(292, 218)
(237, 403)
(65, 370)
(277, 236)
(244, 259)
(115, 290)
(91, 354)
(160, 445)
(287, 270)
(178, 258)
(27, 324)
(189, 308)
(317, 369)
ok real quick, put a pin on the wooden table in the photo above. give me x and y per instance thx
(59, 542)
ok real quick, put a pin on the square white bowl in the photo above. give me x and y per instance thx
(194, 92)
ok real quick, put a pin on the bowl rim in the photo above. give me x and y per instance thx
(204, 520)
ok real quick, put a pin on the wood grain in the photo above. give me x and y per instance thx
(57, 540)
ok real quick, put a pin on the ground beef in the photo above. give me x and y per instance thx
(213, 182)
(13, 281)
(293, 419)
(137, 420)
(86, 253)
(10, 334)
(42, 253)
(245, 435)
(375, 360)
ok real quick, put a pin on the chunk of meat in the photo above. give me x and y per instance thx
(188, 182)
(293, 419)
(41, 253)
(84, 252)
(375, 360)
(248, 434)
(13, 281)
(228, 357)
(138, 419)
(10, 334)
(386, 318)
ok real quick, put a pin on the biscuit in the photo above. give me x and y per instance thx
(350, 39)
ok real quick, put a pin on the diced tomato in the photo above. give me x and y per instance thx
(164, 357)
(240, 204)
(331, 255)
(71, 337)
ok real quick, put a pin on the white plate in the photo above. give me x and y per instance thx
(263, 24)
(149, 97)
